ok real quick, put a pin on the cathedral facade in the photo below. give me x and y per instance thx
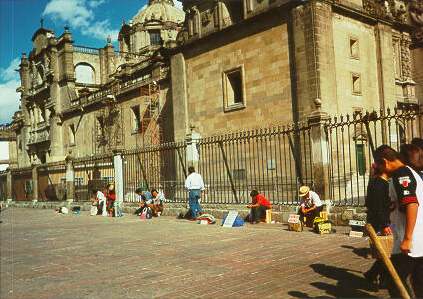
(216, 66)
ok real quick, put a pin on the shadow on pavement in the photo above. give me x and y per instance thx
(362, 252)
(297, 294)
(348, 285)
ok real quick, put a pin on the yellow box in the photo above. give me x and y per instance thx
(269, 216)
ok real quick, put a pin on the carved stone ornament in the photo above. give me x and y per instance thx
(406, 57)
(206, 17)
(386, 9)
(47, 63)
(415, 9)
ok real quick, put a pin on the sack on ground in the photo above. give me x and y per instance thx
(184, 214)
(207, 217)
(146, 213)
(93, 210)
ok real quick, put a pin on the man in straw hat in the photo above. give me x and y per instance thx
(310, 205)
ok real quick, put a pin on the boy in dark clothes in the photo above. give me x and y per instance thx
(378, 211)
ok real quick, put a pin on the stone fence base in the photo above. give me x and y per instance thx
(280, 213)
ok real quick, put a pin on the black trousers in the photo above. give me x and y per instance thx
(410, 270)
(258, 213)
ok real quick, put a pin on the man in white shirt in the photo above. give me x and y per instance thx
(99, 200)
(406, 192)
(194, 184)
(310, 205)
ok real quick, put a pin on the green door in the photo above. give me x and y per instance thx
(361, 158)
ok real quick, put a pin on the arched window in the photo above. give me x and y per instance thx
(84, 73)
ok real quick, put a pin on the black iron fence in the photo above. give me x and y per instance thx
(92, 173)
(351, 141)
(276, 161)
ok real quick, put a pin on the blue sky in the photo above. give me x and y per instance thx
(90, 22)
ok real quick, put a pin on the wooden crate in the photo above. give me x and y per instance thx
(296, 227)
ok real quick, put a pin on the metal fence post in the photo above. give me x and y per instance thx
(9, 196)
(35, 182)
(119, 181)
(319, 151)
(70, 178)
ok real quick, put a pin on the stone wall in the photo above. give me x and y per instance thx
(364, 64)
(261, 50)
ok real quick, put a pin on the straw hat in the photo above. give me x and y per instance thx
(303, 191)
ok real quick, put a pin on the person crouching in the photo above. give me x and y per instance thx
(258, 206)
(310, 205)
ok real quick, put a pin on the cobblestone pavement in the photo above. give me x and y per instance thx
(48, 255)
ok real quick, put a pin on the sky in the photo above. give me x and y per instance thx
(4, 154)
(90, 22)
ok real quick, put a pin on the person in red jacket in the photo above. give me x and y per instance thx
(258, 207)
(111, 197)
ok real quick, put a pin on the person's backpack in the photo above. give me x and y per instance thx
(146, 213)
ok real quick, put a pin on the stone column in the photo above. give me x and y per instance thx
(319, 152)
(179, 96)
(35, 182)
(192, 151)
(70, 178)
(119, 182)
(311, 28)
(9, 193)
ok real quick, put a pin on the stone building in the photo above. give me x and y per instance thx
(257, 62)
(81, 101)
(221, 66)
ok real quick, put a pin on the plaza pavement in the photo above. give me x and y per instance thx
(48, 255)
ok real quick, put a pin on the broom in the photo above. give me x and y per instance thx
(387, 261)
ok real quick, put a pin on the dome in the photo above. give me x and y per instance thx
(159, 10)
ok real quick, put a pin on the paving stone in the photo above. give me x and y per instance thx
(47, 255)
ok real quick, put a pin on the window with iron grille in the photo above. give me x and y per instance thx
(155, 37)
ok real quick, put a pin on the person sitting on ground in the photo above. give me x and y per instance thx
(157, 202)
(142, 200)
(111, 197)
(310, 205)
(99, 200)
(258, 207)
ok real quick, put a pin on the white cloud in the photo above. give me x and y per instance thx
(74, 12)
(102, 30)
(178, 4)
(95, 3)
(9, 98)
(9, 73)
(79, 14)
(9, 102)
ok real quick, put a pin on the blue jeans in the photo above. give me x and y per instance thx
(194, 205)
